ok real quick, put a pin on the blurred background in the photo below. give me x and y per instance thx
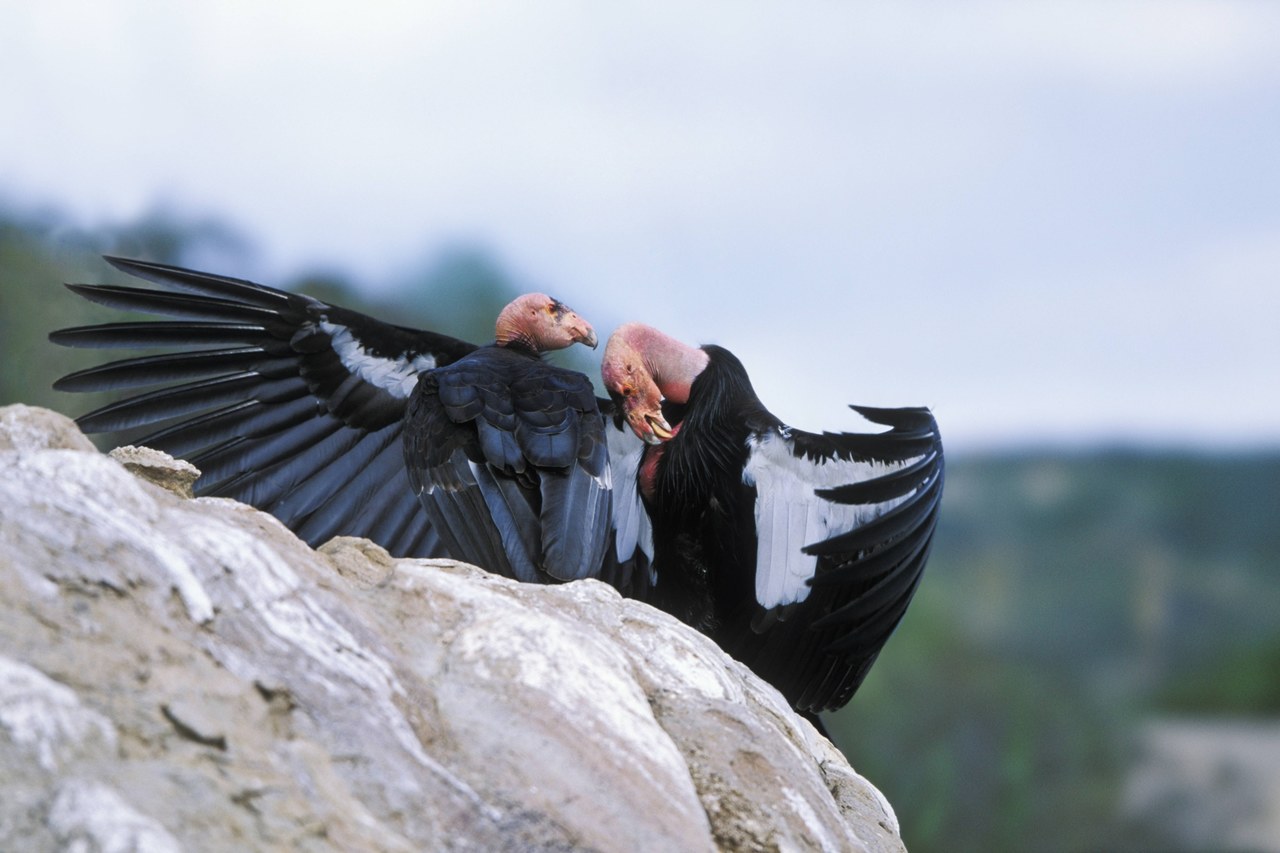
(1058, 224)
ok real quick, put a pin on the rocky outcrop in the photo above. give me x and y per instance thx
(186, 674)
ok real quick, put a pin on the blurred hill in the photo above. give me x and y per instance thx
(1072, 598)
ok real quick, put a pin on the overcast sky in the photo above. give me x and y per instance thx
(1049, 221)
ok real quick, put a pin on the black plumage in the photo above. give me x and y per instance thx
(508, 456)
(797, 552)
(283, 401)
(331, 420)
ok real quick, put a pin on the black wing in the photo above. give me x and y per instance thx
(284, 402)
(844, 524)
(509, 457)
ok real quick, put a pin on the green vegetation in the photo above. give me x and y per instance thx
(1069, 596)
(1245, 682)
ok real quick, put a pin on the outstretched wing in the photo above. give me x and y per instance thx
(844, 522)
(284, 402)
(508, 454)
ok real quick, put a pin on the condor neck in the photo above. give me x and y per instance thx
(672, 364)
(518, 325)
(511, 329)
(517, 341)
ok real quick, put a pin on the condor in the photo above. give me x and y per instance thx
(797, 552)
(332, 421)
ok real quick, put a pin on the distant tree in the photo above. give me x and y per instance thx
(37, 255)
(170, 237)
(1242, 683)
(42, 250)
(459, 292)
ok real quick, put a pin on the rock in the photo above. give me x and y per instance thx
(360, 561)
(187, 674)
(177, 475)
(28, 428)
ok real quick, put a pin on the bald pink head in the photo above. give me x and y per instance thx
(642, 366)
(542, 324)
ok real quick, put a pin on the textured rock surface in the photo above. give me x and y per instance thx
(186, 674)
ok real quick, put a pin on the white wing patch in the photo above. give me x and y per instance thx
(790, 516)
(397, 377)
(630, 519)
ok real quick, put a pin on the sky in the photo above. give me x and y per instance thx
(1052, 222)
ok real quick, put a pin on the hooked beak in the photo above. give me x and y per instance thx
(581, 332)
(660, 428)
(651, 428)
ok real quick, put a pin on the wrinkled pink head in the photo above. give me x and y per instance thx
(640, 367)
(542, 324)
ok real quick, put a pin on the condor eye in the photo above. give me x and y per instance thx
(627, 390)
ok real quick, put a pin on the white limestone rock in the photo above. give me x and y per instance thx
(187, 674)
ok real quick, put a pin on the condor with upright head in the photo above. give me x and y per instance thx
(507, 453)
(331, 420)
(797, 552)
